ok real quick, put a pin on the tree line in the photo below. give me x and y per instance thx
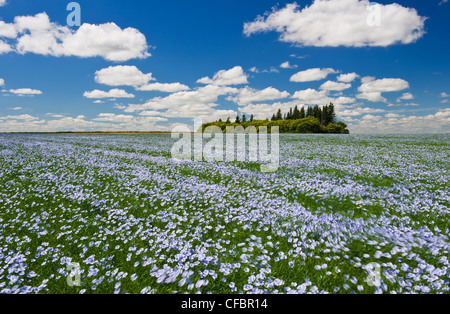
(304, 120)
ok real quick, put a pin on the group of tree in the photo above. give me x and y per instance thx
(304, 120)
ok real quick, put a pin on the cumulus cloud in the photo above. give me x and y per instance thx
(122, 75)
(438, 122)
(287, 65)
(347, 78)
(122, 118)
(25, 92)
(113, 93)
(164, 87)
(312, 97)
(248, 95)
(444, 95)
(2, 82)
(371, 96)
(315, 74)
(371, 90)
(37, 34)
(405, 96)
(2, 3)
(4, 47)
(384, 85)
(341, 23)
(234, 76)
(335, 86)
(203, 95)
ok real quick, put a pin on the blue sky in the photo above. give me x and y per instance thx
(151, 65)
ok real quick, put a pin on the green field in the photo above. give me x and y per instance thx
(136, 221)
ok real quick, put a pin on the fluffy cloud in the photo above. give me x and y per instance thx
(287, 65)
(444, 95)
(341, 23)
(432, 123)
(207, 112)
(164, 87)
(204, 95)
(234, 76)
(113, 93)
(357, 111)
(384, 85)
(371, 90)
(2, 82)
(405, 96)
(248, 95)
(310, 75)
(347, 78)
(265, 111)
(121, 118)
(25, 92)
(2, 3)
(371, 96)
(37, 34)
(312, 97)
(4, 47)
(334, 86)
(122, 75)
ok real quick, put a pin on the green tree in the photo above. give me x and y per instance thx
(301, 114)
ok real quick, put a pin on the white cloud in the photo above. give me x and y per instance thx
(444, 95)
(343, 100)
(433, 123)
(15, 108)
(384, 85)
(164, 87)
(334, 86)
(204, 95)
(2, 3)
(367, 79)
(371, 96)
(371, 90)
(312, 97)
(2, 82)
(315, 74)
(25, 92)
(25, 117)
(248, 95)
(122, 75)
(234, 76)
(113, 93)
(340, 23)
(121, 118)
(37, 34)
(357, 111)
(405, 96)
(265, 111)
(4, 47)
(287, 65)
(207, 112)
(393, 115)
(347, 78)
